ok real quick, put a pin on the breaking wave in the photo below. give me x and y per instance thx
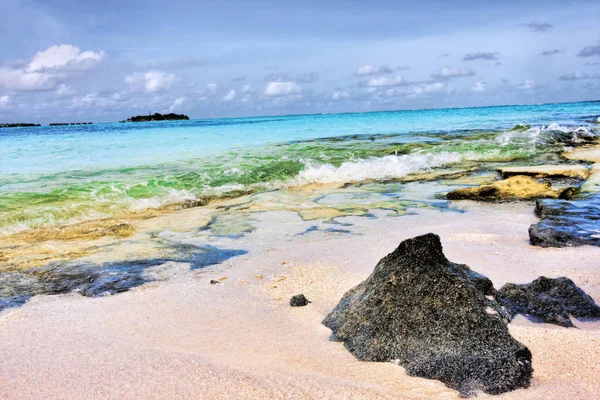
(77, 196)
(384, 168)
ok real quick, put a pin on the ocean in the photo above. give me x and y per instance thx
(57, 175)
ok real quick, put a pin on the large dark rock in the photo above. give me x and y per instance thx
(436, 318)
(552, 300)
(567, 222)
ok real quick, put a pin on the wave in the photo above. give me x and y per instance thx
(78, 196)
(546, 135)
(384, 168)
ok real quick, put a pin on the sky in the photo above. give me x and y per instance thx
(100, 61)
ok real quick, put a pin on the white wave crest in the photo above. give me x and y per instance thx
(538, 135)
(384, 168)
(172, 197)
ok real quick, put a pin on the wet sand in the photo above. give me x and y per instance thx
(181, 337)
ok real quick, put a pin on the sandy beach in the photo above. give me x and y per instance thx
(181, 337)
(256, 200)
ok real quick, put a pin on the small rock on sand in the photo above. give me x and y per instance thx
(299, 301)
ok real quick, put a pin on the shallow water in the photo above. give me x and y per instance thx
(66, 174)
(323, 169)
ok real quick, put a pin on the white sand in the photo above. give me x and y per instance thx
(181, 337)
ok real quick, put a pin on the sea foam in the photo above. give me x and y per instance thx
(542, 135)
(383, 168)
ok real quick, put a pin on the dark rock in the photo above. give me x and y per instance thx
(299, 301)
(552, 300)
(213, 282)
(567, 223)
(435, 318)
(569, 193)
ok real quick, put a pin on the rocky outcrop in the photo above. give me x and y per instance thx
(584, 153)
(547, 171)
(435, 318)
(516, 187)
(567, 223)
(575, 222)
(552, 300)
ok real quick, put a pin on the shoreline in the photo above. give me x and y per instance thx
(185, 337)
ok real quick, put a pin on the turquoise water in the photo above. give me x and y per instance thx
(65, 174)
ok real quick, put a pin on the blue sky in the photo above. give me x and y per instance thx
(64, 60)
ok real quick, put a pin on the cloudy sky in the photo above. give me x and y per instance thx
(72, 60)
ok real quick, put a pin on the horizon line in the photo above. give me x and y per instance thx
(324, 113)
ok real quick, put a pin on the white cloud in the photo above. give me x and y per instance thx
(450, 72)
(212, 88)
(247, 88)
(426, 88)
(65, 90)
(21, 80)
(178, 102)
(412, 90)
(479, 87)
(64, 57)
(119, 96)
(48, 68)
(527, 84)
(4, 101)
(91, 101)
(309, 77)
(367, 70)
(151, 81)
(230, 95)
(280, 89)
(384, 81)
(340, 94)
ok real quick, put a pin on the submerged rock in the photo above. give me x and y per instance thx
(299, 301)
(435, 318)
(547, 171)
(89, 280)
(516, 187)
(552, 300)
(567, 223)
(92, 280)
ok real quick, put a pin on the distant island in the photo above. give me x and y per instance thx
(18, 125)
(69, 123)
(157, 117)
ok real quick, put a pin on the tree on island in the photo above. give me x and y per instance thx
(157, 117)
(18, 125)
